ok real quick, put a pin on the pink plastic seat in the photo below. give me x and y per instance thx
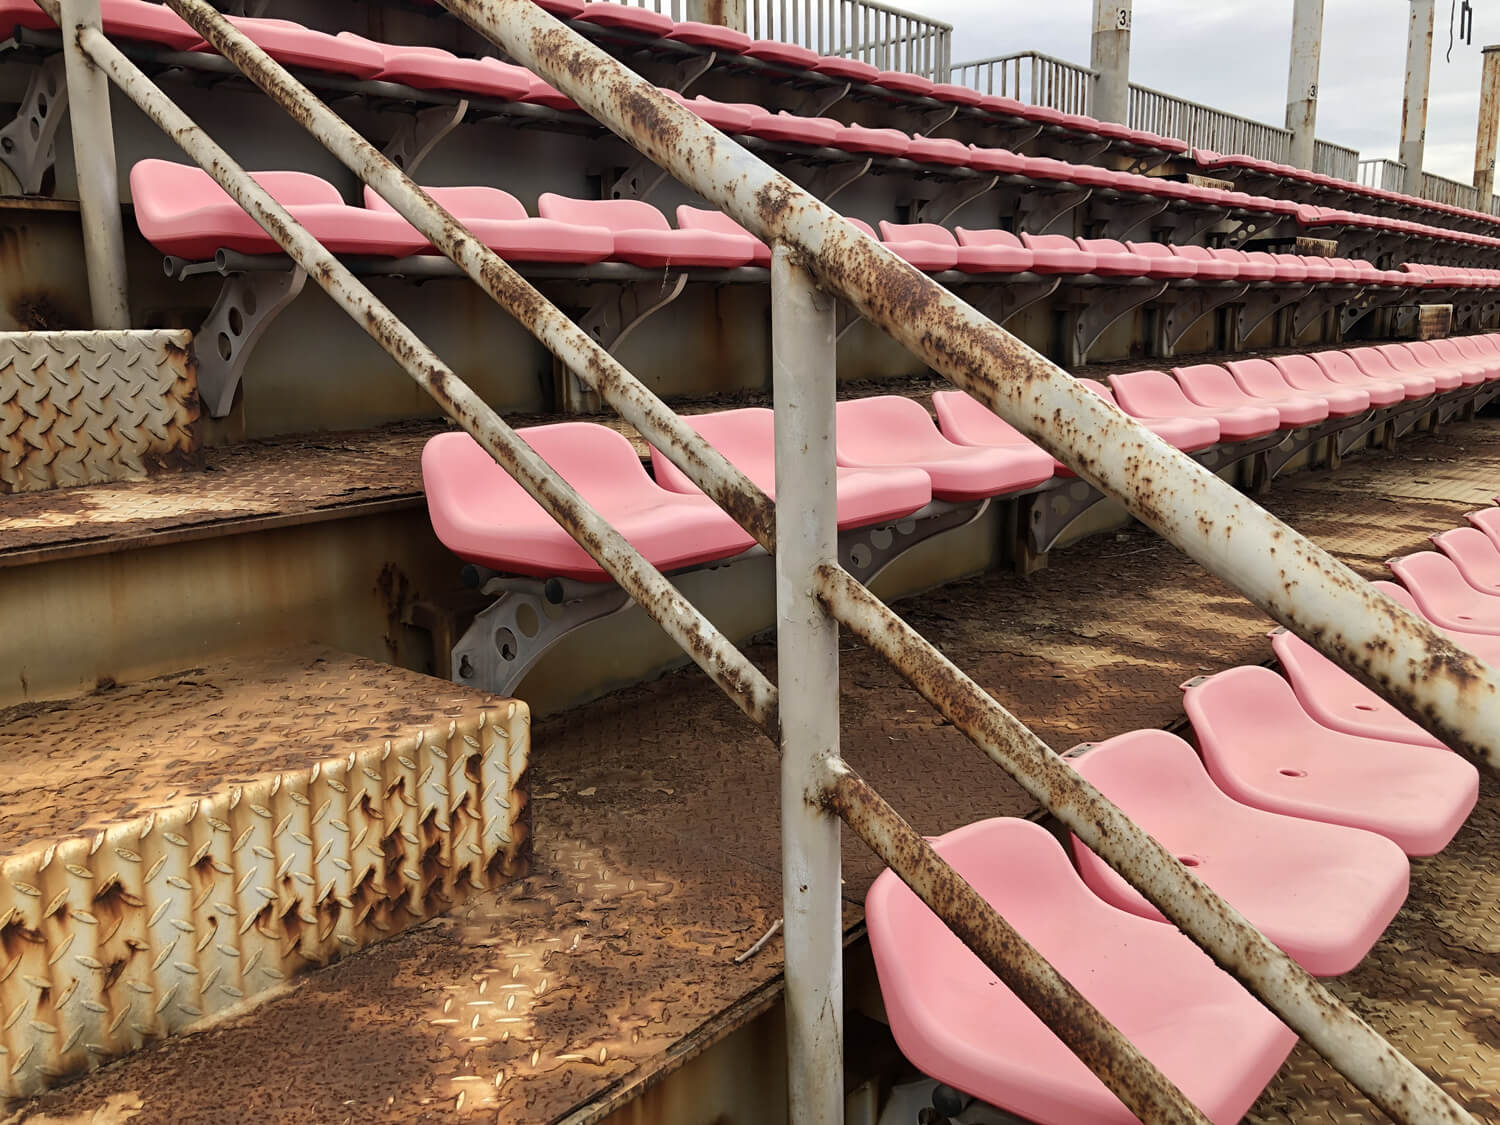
(1157, 260)
(1486, 520)
(889, 431)
(849, 70)
(1113, 258)
(1304, 373)
(927, 246)
(1404, 359)
(905, 83)
(866, 497)
(1154, 394)
(643, 237)
(1264, 750)
(181, 210)
(951, 1016)
(938, 150)
(1210, 267)
(1485, 646)
(1186, 434)
(1211, 385)
(1337, 700)
(481, 514)
(1437, 353)
(1322, 892)
(992, 251)
(1373, 363)
(721, 115)
(711, 35)
(1262, 377)
(499, 221)
(862, 138)
(789, 55)
(1475, 556)
(1057, 253)
(432, 68)
(789, 128)
(122, 19)
(291, 44)
(640, 20)
(1247, 268)
(696, 218)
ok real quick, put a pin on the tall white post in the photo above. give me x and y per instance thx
(1302, 81)
(1489, 121)
(1109, 55)
(98, 182)
(725, 13)
(807, 660)
(1414, 105)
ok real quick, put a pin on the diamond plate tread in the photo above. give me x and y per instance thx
(181, 847)
(665, 784)
(83, 407)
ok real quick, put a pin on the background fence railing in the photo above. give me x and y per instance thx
(887, 37)
(1336, 160)
(1203, 126)
(1033, 78)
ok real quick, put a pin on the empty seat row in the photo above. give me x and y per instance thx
(1300, 823)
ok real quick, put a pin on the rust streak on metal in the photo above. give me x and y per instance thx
(692, 631)
(1398, 655)
(1283, 985)
(1089, 1035)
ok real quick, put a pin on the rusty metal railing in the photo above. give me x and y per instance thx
(817, 256)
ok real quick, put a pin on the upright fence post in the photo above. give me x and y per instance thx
(98, 182)
(1414, 104)
(807, 654)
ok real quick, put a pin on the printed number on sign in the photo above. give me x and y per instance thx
(1122, 19)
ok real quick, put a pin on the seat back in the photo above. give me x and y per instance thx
(967, 421)
(1399, 357)
(1301, 372)
(1476, 557)
(917, 232)
(696, 218)
(1150, 394)
(967, 237)
(1211, 385)
(1338, 366)
(1444, 595)
(886, 428)
(1248, 705)
(1260, 377)
(1373, 361)
(746, 438)
(464, 203)
(163, 184)
(616, 215)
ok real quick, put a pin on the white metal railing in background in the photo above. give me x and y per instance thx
(1033, 78)
(818, 258)
(887, 37)
(1203, 126)
(1334, 160)
(1383, 173)
(1440, 189)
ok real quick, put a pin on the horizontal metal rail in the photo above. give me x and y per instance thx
(1031, 77)
(885, 36)
(696, 635)
(1203, 126)
(1383, 173)
(1339, 161)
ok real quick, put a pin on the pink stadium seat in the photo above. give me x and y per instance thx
(1445, 596)
(122, 19)
(950, 1015)
(1304, 373)
(1210, 266)
(1057, 253)
(1264, 750)
(1263, 378)
(709, 35)
(789, 128)
(1211, 385)
(562, 9)
(1322, 892)
(640, 20)
(721, 115)
(938, 150)
(748, 439)
(643, 236)
(696, 218)
(1486, 520)
(1337, 700)
(481, 514)
(182, 211)
(1475, 556)
(291, 44)
(930, 256)
(992, 251)
(904, 82)
(1113, 258)
(850, 70)
(1154, 394)
(1248, 268)
(861, 138)
(1374, 363)
(1186, 434)
(927, 246)
(1403, 358)
(1157, 260)
(1440, 353)
(432, 68)
(789, 55)
(499, 221)
(1312, 269)
(890, 431)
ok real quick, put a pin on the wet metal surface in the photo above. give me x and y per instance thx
(655, 816)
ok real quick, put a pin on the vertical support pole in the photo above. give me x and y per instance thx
(98, 179)
(1414, 104)
(803, 357)
(725, 13)
(1489, 122)
(1302, 81)
(1109, 55)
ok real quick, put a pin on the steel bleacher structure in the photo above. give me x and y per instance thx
(1020, 981)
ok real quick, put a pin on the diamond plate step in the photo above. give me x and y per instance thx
(87, 407)
(187, 845)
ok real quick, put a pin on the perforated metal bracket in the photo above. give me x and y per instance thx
(1003, 301)
(419, 133)
(1310, 309)
(611, 319)
(866, 551)
(686, 72)
(1050, 512)
(1353, 436)
(826, 180)
(1183, 308)
(1218, 457)
(1260, 226)
(1367, 302)
(247, 304)
(1118, 217)
(1084, 152)
(28, 144)
(952, 197)
(638, 181)
(935, 119)
(528, 617)
(1095, 309)
(1258, 306)
(1300, 440)
(817, 101)
(1038, 209)
(1188, 225)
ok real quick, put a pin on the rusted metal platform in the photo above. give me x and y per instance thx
(183, 847)
(567, 993)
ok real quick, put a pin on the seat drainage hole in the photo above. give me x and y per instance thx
(1189, 860)
(1363, 707)
(1293, 773)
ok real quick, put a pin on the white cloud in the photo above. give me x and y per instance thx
(1232, 54)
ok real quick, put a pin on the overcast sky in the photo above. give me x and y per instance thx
(1232, 54)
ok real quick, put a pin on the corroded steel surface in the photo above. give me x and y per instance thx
(665, 785)
(84, 407)
(181, 847)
